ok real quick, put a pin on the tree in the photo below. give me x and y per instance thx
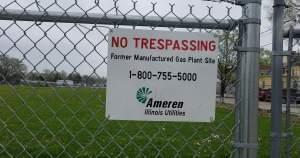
(35, 76)
(89, 80)
(52, 76)
(291, 12)
(46, 75)
(265, 57)
(63, 75)
(93, 79)
(75, 76)
(12, 69)
(265, 66)
(227, 61)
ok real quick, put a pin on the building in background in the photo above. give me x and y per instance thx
(265, 79)
(64, 83)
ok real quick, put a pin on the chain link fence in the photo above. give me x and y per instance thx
(53, 57)
(291, 119)
(291, 98)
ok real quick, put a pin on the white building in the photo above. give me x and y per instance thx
(64, 83)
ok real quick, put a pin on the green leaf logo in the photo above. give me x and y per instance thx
(142, 94)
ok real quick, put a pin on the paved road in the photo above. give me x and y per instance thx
(295, 108)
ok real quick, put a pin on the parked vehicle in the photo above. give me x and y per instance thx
(265, 95)
(64, 83)
(294, 95)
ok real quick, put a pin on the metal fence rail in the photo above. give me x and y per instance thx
(42, 42)
(131, 20)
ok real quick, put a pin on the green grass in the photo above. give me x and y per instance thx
(65, 122)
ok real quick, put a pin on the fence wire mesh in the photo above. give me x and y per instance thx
(291, 119)
(53, 57)
(291, 108)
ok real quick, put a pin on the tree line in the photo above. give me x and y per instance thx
(13, 70)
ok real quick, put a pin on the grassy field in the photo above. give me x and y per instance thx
(65, 122)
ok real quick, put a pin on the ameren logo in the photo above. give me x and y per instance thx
(159, 107)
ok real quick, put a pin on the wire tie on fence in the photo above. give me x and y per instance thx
(246, 145)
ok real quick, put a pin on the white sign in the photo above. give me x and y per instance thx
(161, 76)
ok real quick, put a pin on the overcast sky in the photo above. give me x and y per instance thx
(35, 56)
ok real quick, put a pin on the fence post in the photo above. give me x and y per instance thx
(249, 71)
(253, 41)
(277, 49)
(247, 99)
(238, 92)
